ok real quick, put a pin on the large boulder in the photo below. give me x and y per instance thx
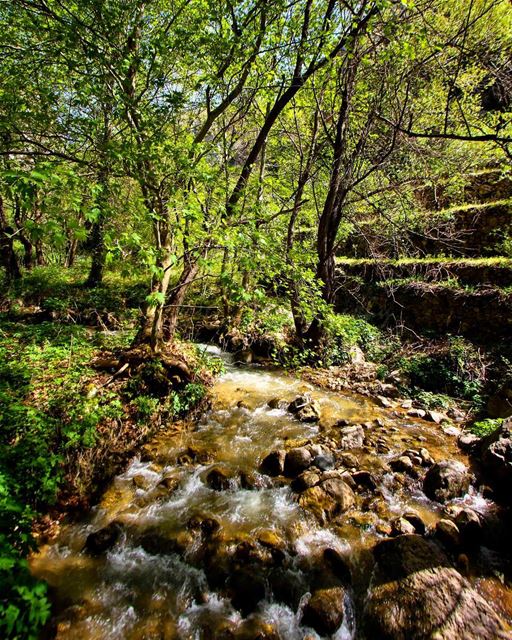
(324, 610)
(297, 460)
(446, 480)
(416, 593)
(496, 455)
(328, 499)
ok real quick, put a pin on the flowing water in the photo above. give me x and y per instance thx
(168, 574)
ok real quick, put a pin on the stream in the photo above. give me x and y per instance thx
(201, 544)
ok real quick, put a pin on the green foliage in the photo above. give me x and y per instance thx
(146, 407)
(342, 334)
(456, 371)
(484, 428)
(47, 412)
(430, 400)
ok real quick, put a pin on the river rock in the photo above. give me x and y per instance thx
(400, 526)
(256, 629)
(365, 480)
(277, 403)
(337, 565)
(170, 482)
(436, 416)
(297, 460)
(247, 589)
(470, 525)
(104, 539)
(418, 594)
(468, 441)
(324, 610)
(141, 481)
(416, 521)
(416, 413)
(309, 413)
(328, 499)
(273, 464)
(304, 481)
(323, 462)
(448, 533)
(446, 480)
(349, 460)
(351, 437)
(496, 454)
(403, 464)
(426, 458)
(305, 409)
(218, 479)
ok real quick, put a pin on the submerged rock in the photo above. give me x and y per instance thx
(104, 539)
(324, 610)
(446, 480)
(418, 594)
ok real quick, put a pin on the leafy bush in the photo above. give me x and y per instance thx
(456, 371)
(485, 427)
(343, 333)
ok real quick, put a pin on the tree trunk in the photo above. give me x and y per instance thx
(96, 236)
(177, 296)
(8, 256)
(95, 276)
(71, 248)
(28, 254)
(151, 329)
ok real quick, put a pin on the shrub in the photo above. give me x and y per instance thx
(485, 427)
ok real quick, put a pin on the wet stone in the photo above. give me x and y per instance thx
(297, 460)
(304, 481)
(400, 526)
(323, 462)
(446, 480)
(141, 481)
(218, 479)
(324, 610)
(403, 464)
(448, 533)
(365, 480)
(273, 464)
(104, 539)
(349, 460)
(351, 437)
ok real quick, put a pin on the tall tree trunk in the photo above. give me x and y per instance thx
(97, 268)
(151, 328)
(28, 253)
(8, 257)
(71, 248)
(177, 296)
(96, 235)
